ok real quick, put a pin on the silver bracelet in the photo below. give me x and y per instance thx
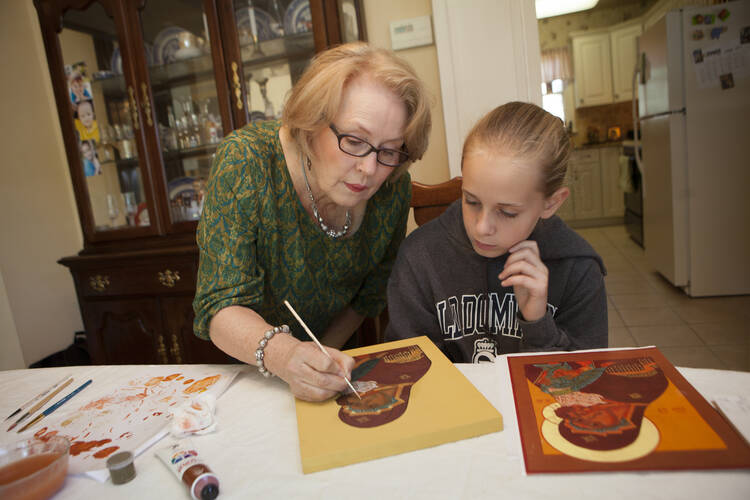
(259, 354)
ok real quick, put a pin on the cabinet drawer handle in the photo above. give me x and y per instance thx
(99, 282)
(169, 278)
(162, 350)
(237, 86)
(133, 107)
(175, 349)
(146, 104)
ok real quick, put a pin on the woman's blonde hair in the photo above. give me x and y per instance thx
(524, 130)
(315, 99)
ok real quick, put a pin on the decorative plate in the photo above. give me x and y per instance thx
(166, 44)
(180, 185)
(297, 18)
(263, 23)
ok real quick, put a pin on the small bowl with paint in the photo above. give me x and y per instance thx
(33, 469)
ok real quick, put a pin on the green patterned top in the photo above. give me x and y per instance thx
(258, 246)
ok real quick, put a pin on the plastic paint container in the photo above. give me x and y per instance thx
(121, 467)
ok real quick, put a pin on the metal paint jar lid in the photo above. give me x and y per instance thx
(121, 467)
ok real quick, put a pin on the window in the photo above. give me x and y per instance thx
(555, 72)
(552, 98)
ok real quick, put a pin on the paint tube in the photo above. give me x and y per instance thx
(184, 462)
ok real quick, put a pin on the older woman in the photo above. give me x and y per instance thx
(311, 210)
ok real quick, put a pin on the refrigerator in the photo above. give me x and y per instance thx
(693, 112)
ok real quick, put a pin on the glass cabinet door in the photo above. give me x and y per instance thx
(189, 119)
(276, 44)
(104, 110)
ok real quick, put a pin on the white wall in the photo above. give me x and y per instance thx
(11, 356)
(379, 14)
(488, 52)
(38, 218)
(433, 167)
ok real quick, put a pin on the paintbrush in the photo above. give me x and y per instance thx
(288, 305)
(36, 398)
(40, 404)
(55, 406)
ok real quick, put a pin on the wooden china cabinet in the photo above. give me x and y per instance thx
(145, 90)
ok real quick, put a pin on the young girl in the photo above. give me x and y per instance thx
(498, 272)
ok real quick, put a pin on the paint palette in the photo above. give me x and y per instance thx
(128, 414)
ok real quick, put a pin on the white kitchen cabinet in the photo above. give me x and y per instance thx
(587, 196)
(603, 63)
(624, 51)
(566, 210)
(592, 69)
(613, 201)
(592, 178)
(584, 181)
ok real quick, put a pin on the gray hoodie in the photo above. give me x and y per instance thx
(441, 288)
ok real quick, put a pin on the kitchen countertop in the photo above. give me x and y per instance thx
(607, 144)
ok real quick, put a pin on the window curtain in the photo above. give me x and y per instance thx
(556, 65)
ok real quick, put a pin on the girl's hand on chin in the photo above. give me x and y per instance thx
(529, 277)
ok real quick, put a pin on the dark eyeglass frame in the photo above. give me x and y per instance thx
(341, 136)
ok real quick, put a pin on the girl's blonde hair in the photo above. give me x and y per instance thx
(524, 130)
(315, 99)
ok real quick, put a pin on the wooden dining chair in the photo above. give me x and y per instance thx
(431, 200)
(428, 202)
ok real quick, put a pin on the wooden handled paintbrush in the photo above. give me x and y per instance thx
(312, 336)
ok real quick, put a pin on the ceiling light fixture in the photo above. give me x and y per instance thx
(549, 8)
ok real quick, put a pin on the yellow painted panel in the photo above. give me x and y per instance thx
(443, 406)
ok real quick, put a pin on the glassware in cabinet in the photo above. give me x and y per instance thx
(183, 87)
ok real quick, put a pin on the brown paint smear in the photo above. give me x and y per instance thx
(202, 384)
(99, 404)
(106, 452)
(82, 446)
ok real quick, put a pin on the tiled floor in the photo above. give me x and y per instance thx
(645, 309)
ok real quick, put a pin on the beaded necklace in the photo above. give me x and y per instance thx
(329, 231)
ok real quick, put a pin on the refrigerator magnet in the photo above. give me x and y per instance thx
(716, 32)
(727, 81)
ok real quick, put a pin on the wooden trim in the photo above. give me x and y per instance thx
(136, 74)
(332, 23)
(320, 32)
(223, 90)
(359, 8)
(232, 54)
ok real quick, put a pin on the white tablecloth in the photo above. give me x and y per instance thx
(255, 453)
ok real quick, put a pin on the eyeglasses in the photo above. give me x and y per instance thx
(354, 146)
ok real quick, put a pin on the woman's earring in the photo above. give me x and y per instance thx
(309, 165)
